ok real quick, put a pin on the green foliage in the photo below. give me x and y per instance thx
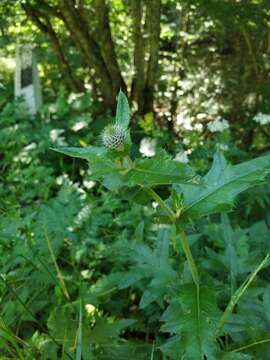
(193, 318)
(92, 264)
(143, 171)
(221, 185)
(122, 111)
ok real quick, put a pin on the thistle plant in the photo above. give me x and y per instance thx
(114, 136)
(200, 328)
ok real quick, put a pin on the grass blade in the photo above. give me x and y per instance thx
(79, 336)
(240, 292)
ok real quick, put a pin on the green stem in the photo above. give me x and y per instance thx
(184, 241)
(171, 215)
(185, 245)
(187, 251)
(251, 345)
(58, 271)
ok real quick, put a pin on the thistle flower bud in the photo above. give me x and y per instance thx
(114, 136)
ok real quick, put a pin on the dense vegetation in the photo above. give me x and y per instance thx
(139, 233)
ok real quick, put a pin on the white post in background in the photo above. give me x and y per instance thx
(27, 83)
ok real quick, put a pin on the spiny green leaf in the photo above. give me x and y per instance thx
(152, 172)
(221, 185)
(86, 153)
(194, 318)
(98, 158)
(122, 110)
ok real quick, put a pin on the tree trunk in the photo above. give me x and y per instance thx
(107, 46)
(91, 32)
(138, 82)
(152, 69)
(146, 34)
(89, 48)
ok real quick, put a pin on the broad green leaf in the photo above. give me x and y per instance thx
(87, 153)
(98, 158)
(221, 185)
(122, 110)
(113, 181)
(148, 172)
(151, 172)
(195, 320)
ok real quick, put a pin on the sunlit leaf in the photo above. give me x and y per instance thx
(221, 185)
(194, 318)
(122, 110)
(152, 172)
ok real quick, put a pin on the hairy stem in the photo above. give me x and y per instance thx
(185, 245)
(184, 241)
(171, 215)
(188, 254)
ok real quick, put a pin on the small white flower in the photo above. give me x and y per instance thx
(198, 127)
(186, 141)
(73, 97)
(31, 146)
(56, 137)
(184, 121)
(79, 125)
(262, 119)
(154, 204)
(61, 179)
(201, 116)
(89, 184)
(89, 308)
(218, 125)
(148, 147)
(182, 157)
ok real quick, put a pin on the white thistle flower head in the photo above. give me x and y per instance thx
(218, 125)
(113, 136)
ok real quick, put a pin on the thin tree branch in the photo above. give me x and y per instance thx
(44, 24)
